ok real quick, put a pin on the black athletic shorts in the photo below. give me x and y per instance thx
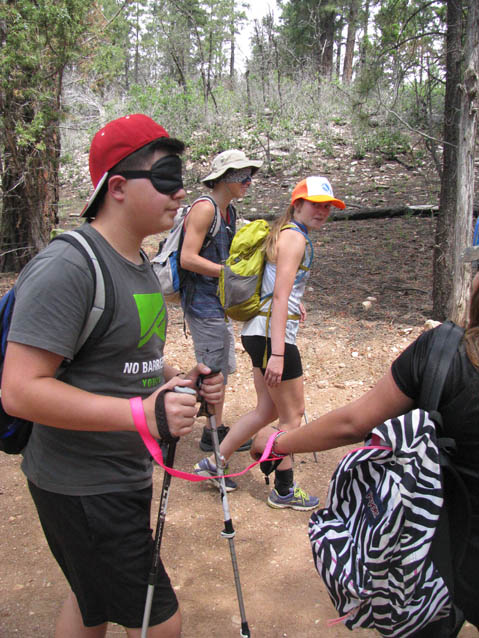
(104, 545)
(255, 346)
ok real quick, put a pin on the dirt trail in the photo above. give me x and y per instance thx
(345, 350)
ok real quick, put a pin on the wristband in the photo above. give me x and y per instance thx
(161, 419)
(276, 355)
(276, 437)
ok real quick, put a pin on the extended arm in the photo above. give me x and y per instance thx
(348, 424)
(197, 224)
(31, 391)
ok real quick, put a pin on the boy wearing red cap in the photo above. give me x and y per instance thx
(88, 471)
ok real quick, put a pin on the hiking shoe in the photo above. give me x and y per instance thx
(206, 468)
(297, 499)
(206, 443)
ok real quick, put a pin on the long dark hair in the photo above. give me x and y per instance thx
(471, 337)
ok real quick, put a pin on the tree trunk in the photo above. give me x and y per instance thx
(30, 190)
(232, 52)
(363, 49)
(326, 42)
(350, 42)
(451, 283)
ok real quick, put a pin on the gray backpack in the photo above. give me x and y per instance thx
(166, 263)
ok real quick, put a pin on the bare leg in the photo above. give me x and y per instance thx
(288, 398)
(251, 422)
(285, 402)
(70, 622)
(171, 628)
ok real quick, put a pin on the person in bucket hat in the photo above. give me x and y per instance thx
(229, 160)
(88, 471)
(270, 337)
(230, 178)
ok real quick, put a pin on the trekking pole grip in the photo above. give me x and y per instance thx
(205, 408)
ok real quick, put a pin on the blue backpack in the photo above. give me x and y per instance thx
(15, 432)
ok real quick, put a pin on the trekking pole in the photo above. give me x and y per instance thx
(155, 564)
(228, 531)
(306, 421)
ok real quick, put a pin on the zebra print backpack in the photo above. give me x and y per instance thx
(371, 543)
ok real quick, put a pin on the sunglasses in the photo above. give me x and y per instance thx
(165, 175)
(238, 176)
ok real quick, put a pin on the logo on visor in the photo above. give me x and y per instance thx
(327, 188)
(152, 313)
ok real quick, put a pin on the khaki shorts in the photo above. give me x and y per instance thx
(214, 342)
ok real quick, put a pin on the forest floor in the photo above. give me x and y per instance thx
(345, 349)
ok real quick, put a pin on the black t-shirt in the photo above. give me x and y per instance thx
(459, 405)
(459, 408)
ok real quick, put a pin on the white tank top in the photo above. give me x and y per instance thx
(257, 325)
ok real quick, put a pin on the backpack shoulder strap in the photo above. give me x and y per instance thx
(101, 312)
(6, 310)
(303, 267)
(216, 221)
(444, 344)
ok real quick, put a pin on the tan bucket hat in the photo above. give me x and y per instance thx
(230, 159)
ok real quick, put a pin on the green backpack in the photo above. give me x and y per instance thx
(239, 288)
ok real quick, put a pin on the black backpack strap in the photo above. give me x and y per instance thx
(101, 312)
(456, 510)
(444, 344)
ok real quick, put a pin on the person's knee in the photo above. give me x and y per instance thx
(293, 420)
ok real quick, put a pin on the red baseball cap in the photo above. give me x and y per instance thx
(115, 141)
(316, 189)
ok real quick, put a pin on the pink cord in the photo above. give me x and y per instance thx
(139, 419)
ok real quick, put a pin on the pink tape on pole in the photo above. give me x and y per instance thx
(139, 419)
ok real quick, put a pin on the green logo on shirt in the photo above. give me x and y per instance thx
(152, 313)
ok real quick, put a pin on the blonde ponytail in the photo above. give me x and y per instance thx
(273, 236)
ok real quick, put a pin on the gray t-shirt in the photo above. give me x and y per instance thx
(54, 296)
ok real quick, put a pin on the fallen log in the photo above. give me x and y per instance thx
(381, 213)
(364, 213)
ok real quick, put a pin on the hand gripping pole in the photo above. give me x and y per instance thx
(155, 564)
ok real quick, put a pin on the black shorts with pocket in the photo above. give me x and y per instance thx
(104, 544)
(255, 346)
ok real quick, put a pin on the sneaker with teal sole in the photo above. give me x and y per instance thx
(297, 499)
(206, 468)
